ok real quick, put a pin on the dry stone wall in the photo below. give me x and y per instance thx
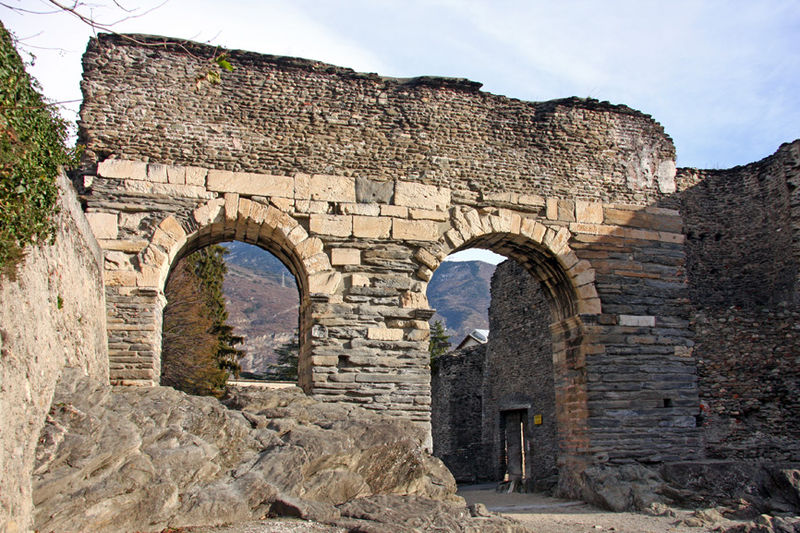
(520, 373)
(743, 262)
(457, 395)
(362, 185)
(51, 316)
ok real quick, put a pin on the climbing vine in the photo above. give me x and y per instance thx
(32, 148)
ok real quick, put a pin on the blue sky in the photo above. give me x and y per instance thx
(722, 77)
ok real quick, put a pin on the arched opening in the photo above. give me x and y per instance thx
(231, 316)
(513, 409)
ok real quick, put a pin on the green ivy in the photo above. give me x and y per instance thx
(32, 148)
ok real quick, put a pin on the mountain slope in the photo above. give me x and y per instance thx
(459, 291)
(263, 300)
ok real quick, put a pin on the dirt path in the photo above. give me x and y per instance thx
(552, 515)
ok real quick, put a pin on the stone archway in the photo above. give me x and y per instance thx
(380, 179)
(218, 220)
(542, 249)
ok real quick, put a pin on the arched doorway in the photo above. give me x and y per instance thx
(507, 407)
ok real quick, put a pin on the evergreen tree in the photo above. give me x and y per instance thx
(198, 346)
(209, 266)
(286, 367)
(439, 343)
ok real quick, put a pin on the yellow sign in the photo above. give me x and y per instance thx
(537, 420)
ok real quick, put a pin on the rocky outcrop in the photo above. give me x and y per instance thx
(142, 459)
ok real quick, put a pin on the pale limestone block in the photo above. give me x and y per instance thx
(370, 210)
(317, 263)
(258, 212)
(334, 225)
(244, 208)
(581, 266)
(104, 225)
(231, 206)
(549, 235)
(163, 239)
(176, 174)
(196, 176)
(560, 241)
(167, 189)
(309, 247)
(568, 258)
(590, 306)
(123, 245)
(539, 230)
(297, 234)
(301, 206)
(414, 230)
(427, 214)
(552, 209)
(474, 224)
(359, 280)
(284, 204)
(173, 228)
(209, 212)
(152, 256)
(426, 258)
(130, 220)
(665, 176)
(587, 292)
(527, 226)
(157, 173)
(121, 168)
(250, 184)
(676, 238)
(501, 197)
(589, 212)
(511, 220)
(587, 276)
(372, 227)
(453, 237)
(116, 260)
(394, 211)
(302, 186)
(319, 208)
(641, 321)
(412, 194)
(149, 277)
(125, 278)
(332, 188)
(243, 213)
(385, 334)
(414, 300)
(533, 200)
(324, 282)
(345, 256)
(324, 360)
(566, 210)
(424, 273)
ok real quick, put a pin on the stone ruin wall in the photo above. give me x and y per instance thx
(520, 373)
(457, 392)
(362, 185)
(51, 316)
(743, 263)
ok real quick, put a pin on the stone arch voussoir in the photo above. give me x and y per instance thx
(242, 219)
(492, 226)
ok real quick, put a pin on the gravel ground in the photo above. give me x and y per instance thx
(542, 514)
(552, 515)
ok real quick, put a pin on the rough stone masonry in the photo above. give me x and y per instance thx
(362, 185)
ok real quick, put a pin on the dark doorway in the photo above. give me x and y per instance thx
(515, 446)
